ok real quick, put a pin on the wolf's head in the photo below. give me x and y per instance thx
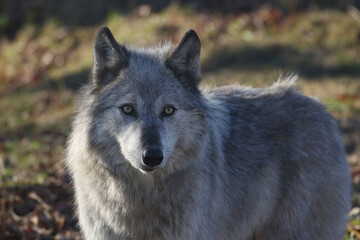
(147, 108)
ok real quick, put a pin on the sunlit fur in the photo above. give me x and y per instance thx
(239, 163)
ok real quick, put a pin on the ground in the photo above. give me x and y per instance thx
(43, 65)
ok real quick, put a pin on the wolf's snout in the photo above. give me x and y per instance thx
(152, 157)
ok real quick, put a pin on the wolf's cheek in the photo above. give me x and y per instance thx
(168, 137)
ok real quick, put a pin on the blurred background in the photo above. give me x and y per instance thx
(46, 56)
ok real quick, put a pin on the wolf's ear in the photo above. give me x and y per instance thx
(184, 61)
(109, 58)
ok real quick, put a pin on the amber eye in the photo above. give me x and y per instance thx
(127, 109)
(168, 111)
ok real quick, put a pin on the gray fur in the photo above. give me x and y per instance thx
(239, 163)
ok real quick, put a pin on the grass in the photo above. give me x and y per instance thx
(44, 65)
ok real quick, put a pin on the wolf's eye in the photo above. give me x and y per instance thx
(168, 111)
(127, 109)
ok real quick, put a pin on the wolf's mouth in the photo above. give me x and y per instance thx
(147, 169)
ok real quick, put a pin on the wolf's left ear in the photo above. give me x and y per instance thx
(184, 61)
(109, 58)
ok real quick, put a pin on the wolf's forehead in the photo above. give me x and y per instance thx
(148, 77)
(147, 87)
(146, 66)
(151, 90)
(149, 71)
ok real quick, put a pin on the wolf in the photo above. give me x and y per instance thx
(154, 156)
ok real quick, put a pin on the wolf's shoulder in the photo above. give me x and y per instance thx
(283, 95)
(279, 106)
(265, 121)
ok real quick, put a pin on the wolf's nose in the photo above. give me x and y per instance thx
(152, 157)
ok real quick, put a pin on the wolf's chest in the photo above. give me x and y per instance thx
(142, 214)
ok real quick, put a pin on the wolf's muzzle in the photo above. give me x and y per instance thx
(152, 157)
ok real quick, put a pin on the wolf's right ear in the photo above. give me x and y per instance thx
(109, 58)
(184, 61)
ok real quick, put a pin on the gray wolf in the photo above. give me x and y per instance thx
(153, 156)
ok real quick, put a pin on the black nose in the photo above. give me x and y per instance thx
(152, 157)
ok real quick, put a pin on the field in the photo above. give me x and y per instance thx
(42, 65)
